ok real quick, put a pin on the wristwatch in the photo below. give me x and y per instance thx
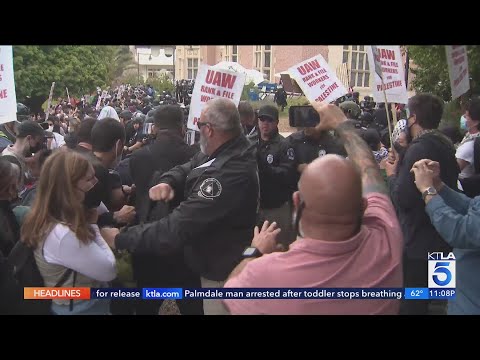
(430, 191)
(251, 252)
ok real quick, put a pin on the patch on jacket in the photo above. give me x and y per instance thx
(210, 188)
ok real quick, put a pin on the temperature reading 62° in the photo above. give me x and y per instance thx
(416, 293)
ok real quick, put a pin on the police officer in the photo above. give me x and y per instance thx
(310, 143)
(276, 169)
(352, 111)
(219, 188)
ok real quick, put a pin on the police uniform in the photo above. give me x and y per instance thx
(276, 168)
(307, 148)
(214, 223)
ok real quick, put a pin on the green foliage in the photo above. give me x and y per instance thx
(80, 68)
(163, 83)
(431, 71)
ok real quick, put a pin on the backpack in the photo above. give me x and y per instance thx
(27, 274)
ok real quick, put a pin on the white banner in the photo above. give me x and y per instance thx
(317, 81)
(391, 62)
(213, 83)
(458, 69)
(8, 99)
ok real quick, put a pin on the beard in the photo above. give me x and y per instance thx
(203, 144)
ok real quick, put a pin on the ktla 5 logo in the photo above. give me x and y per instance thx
(441, 270)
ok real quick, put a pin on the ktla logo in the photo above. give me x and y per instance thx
(441, 270)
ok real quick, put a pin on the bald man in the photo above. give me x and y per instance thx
(348, 236)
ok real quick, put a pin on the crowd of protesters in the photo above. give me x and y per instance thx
(111, 177)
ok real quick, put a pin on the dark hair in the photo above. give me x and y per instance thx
(473, 109)
(12, 160)
(372, 138)
(84, 132)
(428, 109)
(245, 109)
(168, 117)
(42, 155)
(106, 133)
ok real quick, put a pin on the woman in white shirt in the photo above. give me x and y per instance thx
(65, 235)
(464, 154)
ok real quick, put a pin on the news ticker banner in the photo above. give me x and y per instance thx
(85, 293)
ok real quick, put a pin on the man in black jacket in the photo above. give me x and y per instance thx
(420, 237)
(167, 151)
(214, 222)
(276, 169)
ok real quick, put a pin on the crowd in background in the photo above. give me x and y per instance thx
(110, 177)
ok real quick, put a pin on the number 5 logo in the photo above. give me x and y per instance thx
(442, 268)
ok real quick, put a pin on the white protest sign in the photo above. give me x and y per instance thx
(8, 99)
(390, 60)
(458, 69)
(210, 84)
(317, 81)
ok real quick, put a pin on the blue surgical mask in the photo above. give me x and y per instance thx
(463, 123)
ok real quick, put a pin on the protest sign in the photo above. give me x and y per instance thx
(8, 99)
(317, 81)
(210, 84)
(386, 67)
(458, 69)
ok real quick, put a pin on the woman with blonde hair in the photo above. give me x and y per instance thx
(64, 235)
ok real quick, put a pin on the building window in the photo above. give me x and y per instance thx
(153, 73)
(356, 57)
(263, 59)
(192, 68)
(258, 59)
(234, 53)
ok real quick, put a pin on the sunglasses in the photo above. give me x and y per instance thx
(200, 124)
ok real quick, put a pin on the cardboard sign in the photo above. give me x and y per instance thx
(317, 81)
(210, 84)
(8, 99)
(388, 60)
(458, 69)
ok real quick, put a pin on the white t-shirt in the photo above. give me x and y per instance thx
(95, 260)
(465, 152)
(57, 141)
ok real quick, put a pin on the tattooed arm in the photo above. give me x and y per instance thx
(333, 118)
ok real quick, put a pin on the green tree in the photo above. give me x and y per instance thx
(80, 68)
(431, 70)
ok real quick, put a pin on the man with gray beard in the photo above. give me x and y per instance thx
(213, 224)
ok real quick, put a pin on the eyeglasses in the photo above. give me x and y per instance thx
(200, 124)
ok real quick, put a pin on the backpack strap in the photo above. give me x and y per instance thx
(476, 155)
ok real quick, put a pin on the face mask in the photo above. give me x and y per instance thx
(203, 143)
(463, 123)
(408, 132)
(50, 128)
(296, 219)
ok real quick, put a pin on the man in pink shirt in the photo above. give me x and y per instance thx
(345, 240)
